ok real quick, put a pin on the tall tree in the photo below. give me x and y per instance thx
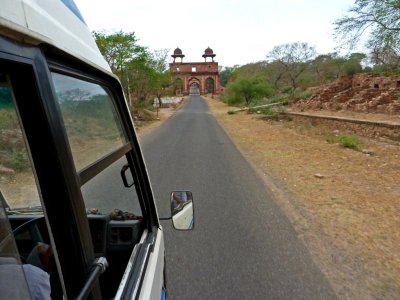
(353, 63)
(119, 48)
(225, 74)
(295, 58)
(380, 19)
(385, 59)
(142, 73)
(162, 77)
(159, 60)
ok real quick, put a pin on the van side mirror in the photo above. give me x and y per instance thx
(182, 210)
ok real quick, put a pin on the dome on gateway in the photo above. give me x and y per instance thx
(208, 51)
(177, 51)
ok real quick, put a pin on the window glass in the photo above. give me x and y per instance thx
(17, 182)
(17, 190)
(94, 130)
(106, 192)
(90, 119)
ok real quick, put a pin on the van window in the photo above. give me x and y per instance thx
(18, 192)
(105, 193)
(94, 131)
(17, 182)
(89, 117)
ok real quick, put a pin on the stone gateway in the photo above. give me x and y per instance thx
(193, 78)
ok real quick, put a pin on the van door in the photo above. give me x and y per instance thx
(94, 190)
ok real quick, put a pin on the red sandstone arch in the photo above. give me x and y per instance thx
(204, 74)
(209, 87)
(194, 80)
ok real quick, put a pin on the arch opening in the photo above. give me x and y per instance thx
(210, 86)
(194, 89)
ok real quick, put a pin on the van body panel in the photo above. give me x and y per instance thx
(50, 22)
(153, 282)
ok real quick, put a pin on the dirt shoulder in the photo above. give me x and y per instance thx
(344, 204)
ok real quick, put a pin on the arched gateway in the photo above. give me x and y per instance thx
(195, 77)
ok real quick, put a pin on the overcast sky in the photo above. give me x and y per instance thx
(239, 31)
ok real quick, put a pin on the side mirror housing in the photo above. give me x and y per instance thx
(182, 210)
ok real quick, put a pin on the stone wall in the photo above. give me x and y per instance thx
(367, 129)
(363, 92)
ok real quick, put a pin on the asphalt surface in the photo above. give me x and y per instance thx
(242, 246)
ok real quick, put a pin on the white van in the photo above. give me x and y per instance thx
(77, 215)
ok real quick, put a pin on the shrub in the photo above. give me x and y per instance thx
(349, 141)
(248, 89)
(233, 100)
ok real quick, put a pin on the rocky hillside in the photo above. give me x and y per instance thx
(363, 92)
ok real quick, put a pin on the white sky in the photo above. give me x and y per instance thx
(239, 31)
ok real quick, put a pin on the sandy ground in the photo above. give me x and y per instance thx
(344, 204)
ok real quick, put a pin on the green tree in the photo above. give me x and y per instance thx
(225, 74)
(277, 74)
(141, 73)
(247, 89)
(119, 48)
(124, 55)
(326, 68)
(293, 60)
(161, 79)
(380, 19)
(140, 79)
(353, 63)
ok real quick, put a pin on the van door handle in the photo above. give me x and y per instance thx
(123, 175)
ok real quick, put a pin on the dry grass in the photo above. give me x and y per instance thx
(350, 218)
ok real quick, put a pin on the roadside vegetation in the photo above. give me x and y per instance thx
(144, 75)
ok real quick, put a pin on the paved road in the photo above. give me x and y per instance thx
(242, 247)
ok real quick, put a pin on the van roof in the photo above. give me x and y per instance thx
(55, 22)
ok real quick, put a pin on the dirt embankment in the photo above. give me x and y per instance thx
(344, 204)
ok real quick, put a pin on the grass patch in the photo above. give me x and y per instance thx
(232, 112)
(349, 141)
(20, 160)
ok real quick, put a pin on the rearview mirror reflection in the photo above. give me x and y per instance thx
(182, 210)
